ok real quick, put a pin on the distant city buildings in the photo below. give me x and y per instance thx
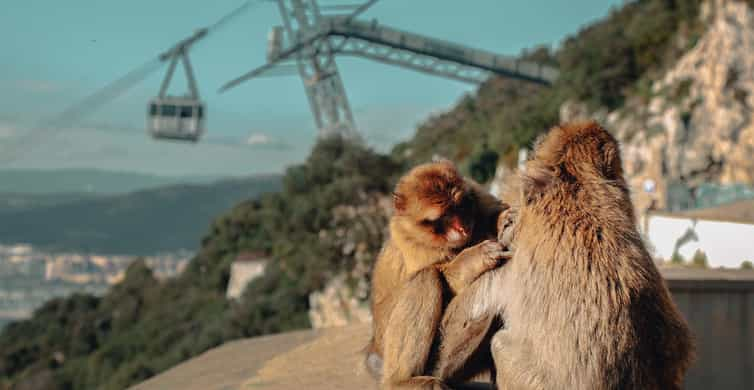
(30, 277)
(85, 269)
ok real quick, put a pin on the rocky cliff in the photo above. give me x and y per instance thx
(692, 124)
(357, 232)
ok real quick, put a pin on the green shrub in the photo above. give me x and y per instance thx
(677, 259)
(699, 259)
(483, 165)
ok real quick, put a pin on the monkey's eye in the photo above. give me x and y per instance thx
(426, 222)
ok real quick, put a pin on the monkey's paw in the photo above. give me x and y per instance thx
(494, 252)
(506, 223)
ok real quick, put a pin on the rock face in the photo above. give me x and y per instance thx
(356, 233)
(338, 305)
(694, 125)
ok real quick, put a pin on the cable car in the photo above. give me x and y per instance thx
(176, 117)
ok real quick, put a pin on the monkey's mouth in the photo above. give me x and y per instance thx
(456, 236)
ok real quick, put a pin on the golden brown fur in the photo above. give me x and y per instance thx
(583, 304)
(437, 215)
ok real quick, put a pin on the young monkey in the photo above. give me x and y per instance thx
(442, 237)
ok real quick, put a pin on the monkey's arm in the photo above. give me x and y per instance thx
(410, 331)
(467, 325)
(468, 265)
(465, 332)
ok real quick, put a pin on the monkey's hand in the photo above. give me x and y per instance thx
(506, 226)
(472, 262)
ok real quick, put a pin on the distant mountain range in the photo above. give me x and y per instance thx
(143, 222)
(18, 201)
(37, 181)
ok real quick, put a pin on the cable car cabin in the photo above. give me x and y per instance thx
(176, 118)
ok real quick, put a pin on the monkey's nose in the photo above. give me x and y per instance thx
(456, 234)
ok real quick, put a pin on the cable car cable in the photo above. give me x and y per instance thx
(231, 15)
(113, 90)
(104, 95)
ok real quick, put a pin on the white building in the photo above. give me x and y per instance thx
(724, 233)
(246, 267)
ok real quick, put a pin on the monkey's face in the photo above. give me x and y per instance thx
(434, 206)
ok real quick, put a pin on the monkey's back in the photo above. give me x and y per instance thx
(608, 321)
(581, 297)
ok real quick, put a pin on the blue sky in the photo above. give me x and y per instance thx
(54, 53)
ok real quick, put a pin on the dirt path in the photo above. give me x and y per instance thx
(310, 360)
(332, 361)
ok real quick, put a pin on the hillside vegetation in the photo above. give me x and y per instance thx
(143, 327)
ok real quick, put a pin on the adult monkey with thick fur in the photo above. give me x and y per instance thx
(583, 304)
(437, 215)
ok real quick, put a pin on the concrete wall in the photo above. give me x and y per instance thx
(241, 273)
(726, 244)
(719, 308)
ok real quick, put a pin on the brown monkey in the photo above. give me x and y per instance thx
(583, 304)
(437, 215)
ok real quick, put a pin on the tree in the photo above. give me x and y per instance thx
(483, 165)
(677, 259)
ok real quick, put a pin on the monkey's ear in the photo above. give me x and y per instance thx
(534, 183)
(399, 203)
(611, 167)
